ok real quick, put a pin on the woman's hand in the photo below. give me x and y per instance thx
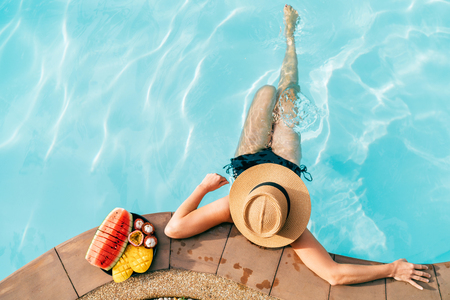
(213, 181)
(405, 271)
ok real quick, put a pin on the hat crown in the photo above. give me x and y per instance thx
(265, 211)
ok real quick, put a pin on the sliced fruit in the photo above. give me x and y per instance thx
(122, 270)
(108, 236)
(106, 245)
(120, 215)
(136, 238)
(113, 232)
(105, 249)
(109, 241)
(111, 244)
(140, 259)
(101, 260)
(123, 228)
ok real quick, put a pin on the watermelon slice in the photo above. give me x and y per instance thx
(110, 240)
(107, 236)
(118, 215)
(99, 260)
(101, 240)
(99, 247)
(112, 232)
(120, 227)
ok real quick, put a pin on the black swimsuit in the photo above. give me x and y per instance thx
(243, 162)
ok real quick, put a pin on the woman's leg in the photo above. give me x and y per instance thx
(257, 130)
(285, 141)
(289, 71)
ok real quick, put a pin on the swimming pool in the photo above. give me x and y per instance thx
(109, 104)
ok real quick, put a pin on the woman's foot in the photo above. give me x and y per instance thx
(290, 18)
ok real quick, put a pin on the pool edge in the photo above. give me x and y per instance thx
(279, 273)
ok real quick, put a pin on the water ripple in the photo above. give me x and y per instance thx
(34, 96)
(6, 27)
(10, 34)
(105, 137)
(229, 17)
(160, 64)
(58, 122)
(191, 84)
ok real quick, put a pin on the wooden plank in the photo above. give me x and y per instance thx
(443, 279)
(249, 264)
(202, 252)
(42, 278)
(295, 281)
(162, 257)
(83, 275)
(402, 290)
(374, 290)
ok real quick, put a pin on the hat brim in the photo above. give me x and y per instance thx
(300, 208)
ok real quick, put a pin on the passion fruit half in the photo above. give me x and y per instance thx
(136, 238)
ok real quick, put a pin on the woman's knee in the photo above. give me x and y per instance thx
(267, 89)
(265, 96)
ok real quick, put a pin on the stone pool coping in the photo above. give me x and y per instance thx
(220, 259)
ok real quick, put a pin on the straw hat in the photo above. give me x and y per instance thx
(270, 205)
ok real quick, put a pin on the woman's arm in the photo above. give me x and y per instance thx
(317, 259)
(188, 221)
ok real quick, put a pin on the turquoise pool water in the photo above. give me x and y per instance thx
(108, 103)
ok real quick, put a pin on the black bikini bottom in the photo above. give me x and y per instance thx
(243, 162)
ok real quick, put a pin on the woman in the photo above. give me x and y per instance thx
(268, 202)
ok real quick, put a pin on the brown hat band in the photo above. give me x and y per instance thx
(279, 187)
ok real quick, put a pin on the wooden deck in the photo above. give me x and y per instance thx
(63, 273)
